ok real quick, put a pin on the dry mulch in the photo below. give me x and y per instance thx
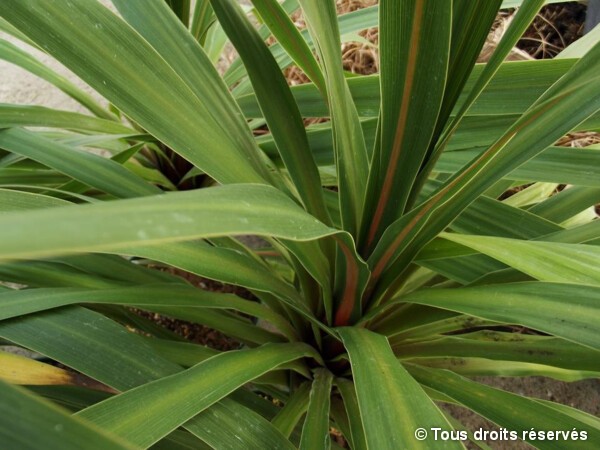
(554, 28)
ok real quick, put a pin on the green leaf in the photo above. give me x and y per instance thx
(88, 168)
(15, 55)
(573, 412)
(278, 106)
(567, 203)
(39, 116)
(518, 25)
(584, 234)
(357, 432)
(415, 47)
(564, 310)
(19, 201)
(181, 8)
(514, 88)
(21, 302)
(517, 3)
(315, 432)
(236, 209)
(348, 23)
(202, 19)
(229, 425)
(30, 423)
(554, 165)
(37, 179)
(184, 354)
(70, 335)
(546, 261)
(349, 144)
(388, 395)
(117, 268)
(51, 274)
(479, 367)
(221, 264)
(566, 104)
(509, 410)
(130, 73)
(289, 416)
(503, 346)
(123, 360)
(145, 414)
(471, 23)
(288, 36)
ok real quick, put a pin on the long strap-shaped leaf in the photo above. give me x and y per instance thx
(202, 18)
(471, 23)
(565, 310)
(21, 302)
(480, 367)
(288, 36)
(91, 169)
(554, 165)
(520, 23)
(226, 210)
(278, 105)
(414, 46)
(11, 200)
(356, 434)
(514, 88)
(223, 264)
(29, 423)
(392, 404)
(91, 344)
(289, 416)
(510, 410)
(129, 72)
(196, 257)
(145, 414)
(15, 55)
(541, 350)
(226, 424)
(120, 359)
(577, 264)
(39, 116)
(351, 154)
(315, 432)
(348, 24)
(560, 111)
(234, 209)
(166, 34)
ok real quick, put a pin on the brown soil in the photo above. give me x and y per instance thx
(555, 27)
(195, 332)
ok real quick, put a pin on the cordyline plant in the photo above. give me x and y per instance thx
(391, 270)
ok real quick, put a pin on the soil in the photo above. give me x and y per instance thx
(554, 28)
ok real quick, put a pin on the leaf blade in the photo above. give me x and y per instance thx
(388, 395)
(143, 415)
